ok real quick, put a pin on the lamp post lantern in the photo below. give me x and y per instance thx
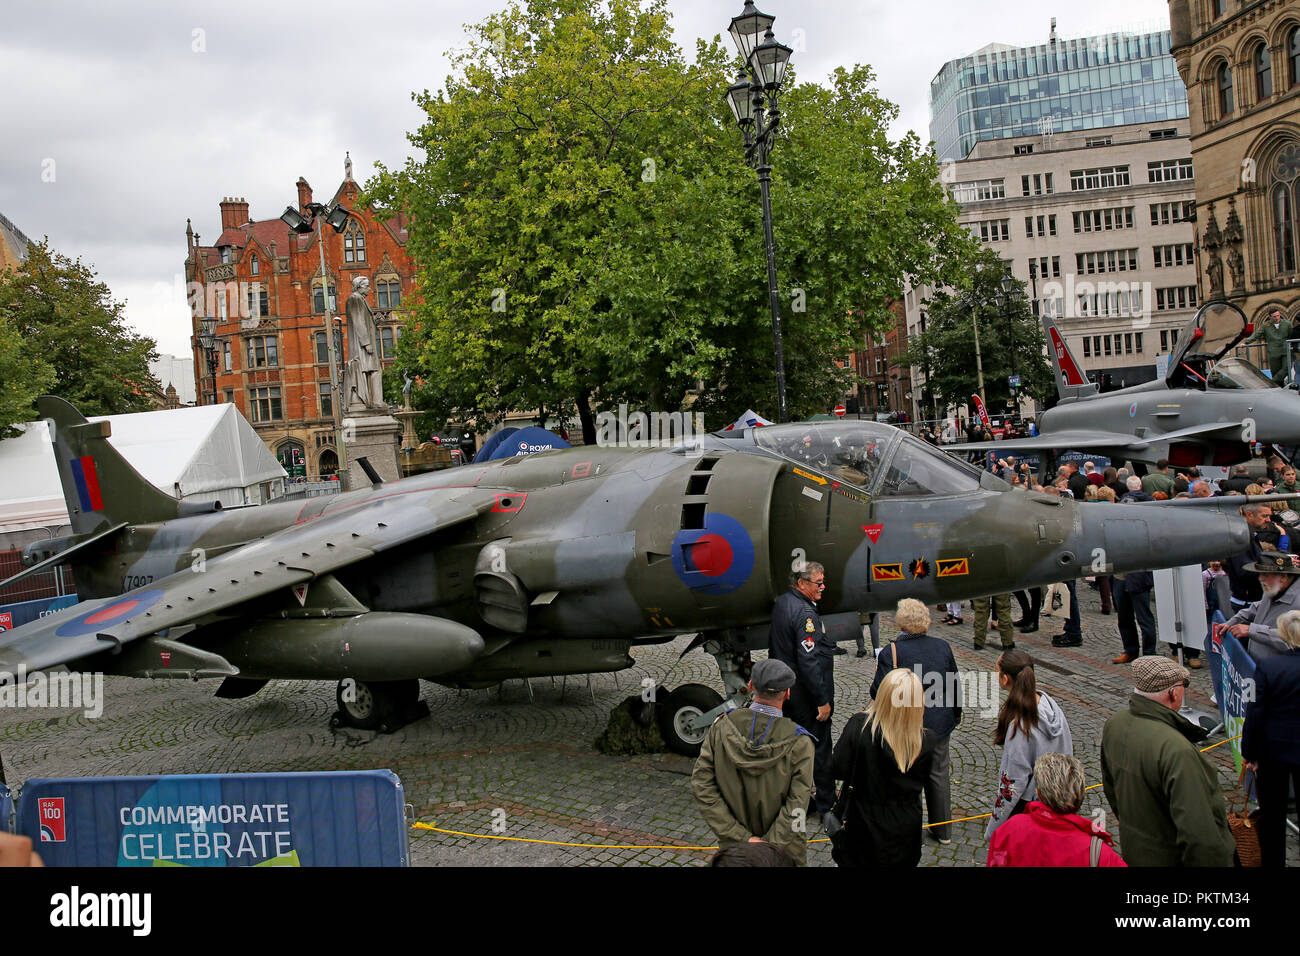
(206, 340)
(337, 218)
(753, 102)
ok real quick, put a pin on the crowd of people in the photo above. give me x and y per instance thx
(766, 771)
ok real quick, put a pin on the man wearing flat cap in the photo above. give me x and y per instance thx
(1164, 792)
(754, 774)
(1256, 624)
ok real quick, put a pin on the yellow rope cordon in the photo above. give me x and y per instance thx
(634, 846)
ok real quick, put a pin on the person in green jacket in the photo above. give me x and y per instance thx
(754, 774)
(1274, 334)
(1165, 794)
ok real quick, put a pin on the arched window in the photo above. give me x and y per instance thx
(329, 463)
(1263, 73)
(290, 455)
(354, 243)
(1283, 203)
(1293, 56)
(1224, 75)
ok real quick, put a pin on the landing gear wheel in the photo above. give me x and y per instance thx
(377, 705)
(676, 712)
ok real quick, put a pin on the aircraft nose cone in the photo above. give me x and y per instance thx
(1147, 537)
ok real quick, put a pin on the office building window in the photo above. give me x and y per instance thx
(1103, 220)
(1102, 177)
(1177, 254)
(1178, 297)
(992, 230)
(1111, 260)
(1097, 141)
(264, 404)
(1169, 170)
(1165, 213)
(1024, 149)
(1163, 133)
(980, 190)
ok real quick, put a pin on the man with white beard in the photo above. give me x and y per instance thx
(1256, 624)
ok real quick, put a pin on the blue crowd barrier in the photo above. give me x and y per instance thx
(344, 818)
(24, 612)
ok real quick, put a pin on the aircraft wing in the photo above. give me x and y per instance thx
(1231, 430)
(1076, 438)
(294, 555)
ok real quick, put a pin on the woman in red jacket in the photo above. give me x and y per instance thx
(1050, 832)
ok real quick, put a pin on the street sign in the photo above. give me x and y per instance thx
(1014, 380)
(839, 411)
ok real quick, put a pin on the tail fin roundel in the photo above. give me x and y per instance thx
(1070, 380)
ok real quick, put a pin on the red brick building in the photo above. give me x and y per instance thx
(263, 283)
(880, 365)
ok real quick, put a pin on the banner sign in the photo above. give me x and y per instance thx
(346, 818)
(1233, 672)
(24, 612)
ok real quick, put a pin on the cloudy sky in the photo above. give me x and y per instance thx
(121, 120)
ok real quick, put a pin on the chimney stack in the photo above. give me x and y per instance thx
(234, 212)
(304, 194)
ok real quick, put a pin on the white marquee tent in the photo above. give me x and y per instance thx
(205, 453)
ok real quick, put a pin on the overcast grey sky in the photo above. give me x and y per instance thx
(120, 120)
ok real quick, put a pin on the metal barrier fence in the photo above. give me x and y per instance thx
(56, 582)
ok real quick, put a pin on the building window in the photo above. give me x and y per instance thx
(323, 396)
(992, 230)
(258, 301)
(1169, 170)
(260, 351)
(1111, 260)
(1284, 225)
(980, 190)
(329, 463)
(254, 266)
(1024, 149)
(387, 339)
(225, 253)
(1097, 141)
(1103, 177)
(354, 243)
(1178, 254)
(1102, 220)
(1263, 73)
(1293, 57)
(1218, 8)
(223, 310)
(1137, 342)
(1163, 133)
(1224, 76)
(225, 355)
(1165, 213)
(1178, 297)
(322, 357)
(1087, 347)
(264, 404)
(388, 295)
(318, 299)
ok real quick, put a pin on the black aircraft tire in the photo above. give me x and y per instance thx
(683, 703)
(374, 701)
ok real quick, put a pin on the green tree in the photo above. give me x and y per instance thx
(587, 233)
(68, 323)
(24, 377)
(945, 351)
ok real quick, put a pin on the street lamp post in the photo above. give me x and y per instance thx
(1006, 301)
(337, 218)
(207, 344)
(757, 87)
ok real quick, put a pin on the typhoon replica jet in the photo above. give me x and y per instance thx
(555, 563)
(1205, 411)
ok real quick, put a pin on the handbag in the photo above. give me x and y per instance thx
(1242, 825)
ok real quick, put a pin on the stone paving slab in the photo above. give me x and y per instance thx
(494, 758)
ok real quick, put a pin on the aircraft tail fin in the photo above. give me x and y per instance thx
(1070, 380)
(100, 487)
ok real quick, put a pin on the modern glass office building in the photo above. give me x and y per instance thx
(1087, 83)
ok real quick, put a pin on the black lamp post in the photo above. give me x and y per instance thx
(753, 101)
(1006, 301)
(318, 217)
(206, 341)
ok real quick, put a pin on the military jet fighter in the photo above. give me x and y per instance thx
(1205, 410)
(554, 563)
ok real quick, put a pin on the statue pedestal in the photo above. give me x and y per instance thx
(376, 437)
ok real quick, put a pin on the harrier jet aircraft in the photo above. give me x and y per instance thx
(554, 563)
(1203, 412)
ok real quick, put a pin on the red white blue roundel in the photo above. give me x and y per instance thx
(717, 559)
(110, 614)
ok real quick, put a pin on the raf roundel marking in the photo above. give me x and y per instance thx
(110, 614)
(1133, 410)
(716, 559)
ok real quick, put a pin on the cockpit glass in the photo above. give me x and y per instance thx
(846, 451)
(1212, 331)
(918, 469)
(1236, 373)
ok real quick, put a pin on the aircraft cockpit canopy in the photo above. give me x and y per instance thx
(1205, 339)
(873, 457)
(1238, 373)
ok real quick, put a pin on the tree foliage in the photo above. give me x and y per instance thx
(945, 351)
(61, 332)
(586, 231)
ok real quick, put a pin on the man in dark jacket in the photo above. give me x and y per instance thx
(931, 658)
(798, 640)
(755, 770)
(1165, 793)
(1270, 741)
(1077, 481)
(1245, 585)
(1237, 484)
(1132, 594)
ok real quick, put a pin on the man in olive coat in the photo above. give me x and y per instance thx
(1165, 793)
(1273, 333)
(754, 774)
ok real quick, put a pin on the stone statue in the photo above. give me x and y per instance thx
(362, 379)
(1215, 271)
(1237, 266)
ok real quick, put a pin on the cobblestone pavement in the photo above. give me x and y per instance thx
(494, 756)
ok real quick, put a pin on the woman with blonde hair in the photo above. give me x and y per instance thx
(883, 757)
